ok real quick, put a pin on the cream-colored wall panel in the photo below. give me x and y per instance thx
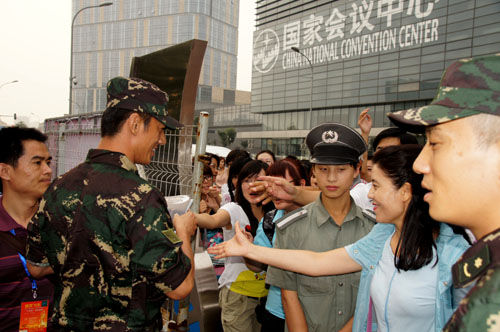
(99, 69)
(145, 41)
(170, 30)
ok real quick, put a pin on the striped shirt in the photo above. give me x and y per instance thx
(15, 285)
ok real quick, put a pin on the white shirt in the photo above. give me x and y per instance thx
(233, 266)
(359, 194)
(404, 300)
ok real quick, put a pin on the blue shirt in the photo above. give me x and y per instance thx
(368, 252)
(273, 304)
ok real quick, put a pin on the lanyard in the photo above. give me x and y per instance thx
(23, 261)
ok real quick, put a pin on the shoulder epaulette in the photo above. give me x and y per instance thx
(369, 214)
(290, 218)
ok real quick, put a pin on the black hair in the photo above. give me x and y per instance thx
(236, 154)
(269, 152)
(403, 136)
(303, 172)
(234, 170)
(307, 166)
(113, 119)
(414, 248)
(214, 156)
(251, 168)
(11, 141)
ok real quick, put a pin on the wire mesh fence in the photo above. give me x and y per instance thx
(170, 170)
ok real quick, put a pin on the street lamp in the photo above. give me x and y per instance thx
(14, 81)
(295, 49)
(104, 4)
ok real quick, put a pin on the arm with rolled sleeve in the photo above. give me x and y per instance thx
(37, 261)
(287, 281)
(156, 252)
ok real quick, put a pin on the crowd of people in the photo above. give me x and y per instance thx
(401, 235)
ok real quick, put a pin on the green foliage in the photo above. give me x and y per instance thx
(227, 136)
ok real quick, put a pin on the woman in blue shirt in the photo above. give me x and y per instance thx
(406, 283)
(273, 316)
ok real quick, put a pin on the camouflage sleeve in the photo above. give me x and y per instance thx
(480, 310)
(279, 277)
(35, 253)
(156, 254)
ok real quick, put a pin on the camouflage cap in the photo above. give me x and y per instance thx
(468, 87)
(135, 94)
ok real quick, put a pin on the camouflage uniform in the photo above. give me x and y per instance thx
(108, 236)
(468, 87)
(480, 310)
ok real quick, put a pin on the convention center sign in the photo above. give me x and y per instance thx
(350, 30)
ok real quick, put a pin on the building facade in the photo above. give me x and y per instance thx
(383, 54)
(106, 39)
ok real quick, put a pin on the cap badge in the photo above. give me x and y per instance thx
(330, 136)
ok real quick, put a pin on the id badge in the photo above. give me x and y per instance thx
(34, 316)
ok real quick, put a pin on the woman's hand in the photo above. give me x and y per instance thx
(239, 245)
(365, 122)
(279, 188)
(203, 206)
(212, 203)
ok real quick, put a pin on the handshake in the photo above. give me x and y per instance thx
(185, 225)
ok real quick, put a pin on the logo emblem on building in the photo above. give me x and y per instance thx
(266, 50)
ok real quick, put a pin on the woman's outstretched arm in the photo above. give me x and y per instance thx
(220, 219)
(311, 263)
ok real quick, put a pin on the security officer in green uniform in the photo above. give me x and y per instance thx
(461, 167)
(324, 304)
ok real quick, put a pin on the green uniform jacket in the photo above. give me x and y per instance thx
(328, 302)
(480, 309)
(109, 238)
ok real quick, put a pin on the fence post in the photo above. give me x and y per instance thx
(201, 145)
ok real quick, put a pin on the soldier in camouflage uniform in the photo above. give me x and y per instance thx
(106, 233)
(461, 167)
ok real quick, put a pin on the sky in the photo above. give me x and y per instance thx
(35, 51)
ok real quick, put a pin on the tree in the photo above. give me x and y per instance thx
(227, 136)
(244, 144)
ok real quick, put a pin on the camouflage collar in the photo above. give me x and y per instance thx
(110, 157)
(476, 260)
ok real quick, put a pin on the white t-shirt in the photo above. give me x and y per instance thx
(404, 300)
(236, 276)
(225, 196)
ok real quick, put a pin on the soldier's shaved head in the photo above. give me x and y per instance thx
(486, 128)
